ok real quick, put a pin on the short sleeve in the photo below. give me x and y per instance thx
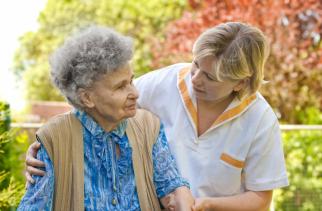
(265, 165)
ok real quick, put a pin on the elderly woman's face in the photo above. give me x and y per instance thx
(113, 97)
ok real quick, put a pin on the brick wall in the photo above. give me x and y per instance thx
(43, 110)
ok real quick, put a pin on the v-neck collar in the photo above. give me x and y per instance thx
(234, 109)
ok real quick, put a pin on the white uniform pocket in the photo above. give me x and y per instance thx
(225, 177)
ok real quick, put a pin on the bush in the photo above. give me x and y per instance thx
(12, 145)
(4, 117)
(303, 161)
(303, 154)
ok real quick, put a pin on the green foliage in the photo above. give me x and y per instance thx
(4, 117)
(303, 153)
(39, 84)
(12, 148)
(141, 19)
(10, 195)
(310, 116)
(57, 20)
(12, 145)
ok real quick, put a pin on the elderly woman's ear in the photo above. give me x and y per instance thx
(85, 98)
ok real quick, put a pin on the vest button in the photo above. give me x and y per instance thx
(114, 202)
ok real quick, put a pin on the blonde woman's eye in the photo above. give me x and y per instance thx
(210, 78)
(196, 64)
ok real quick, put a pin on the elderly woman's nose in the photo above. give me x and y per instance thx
(134, 93)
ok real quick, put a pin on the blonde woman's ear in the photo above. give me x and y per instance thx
(241, 84)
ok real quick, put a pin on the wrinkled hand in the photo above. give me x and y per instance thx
(186, 200)
(201, 204)
(32, 163)
(169, 202)
(179, 200)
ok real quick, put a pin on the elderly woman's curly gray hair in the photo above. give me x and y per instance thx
(86, 56)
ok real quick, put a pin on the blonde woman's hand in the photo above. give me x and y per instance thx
(32, 163)
(201, 204)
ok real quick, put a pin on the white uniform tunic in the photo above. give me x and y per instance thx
(241, 151)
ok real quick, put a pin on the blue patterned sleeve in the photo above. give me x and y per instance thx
(165, 173)
(39, 196)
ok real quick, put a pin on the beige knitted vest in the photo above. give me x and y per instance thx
(62, 137)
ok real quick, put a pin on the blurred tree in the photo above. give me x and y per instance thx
(56, 21)
(294, 28)
(141, 19)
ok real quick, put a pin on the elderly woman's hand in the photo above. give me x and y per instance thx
(179, 200)
(32, 163)
(168, 202)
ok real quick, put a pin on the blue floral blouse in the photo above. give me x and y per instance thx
(109, 180)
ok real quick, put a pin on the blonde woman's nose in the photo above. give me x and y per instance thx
(196, 77)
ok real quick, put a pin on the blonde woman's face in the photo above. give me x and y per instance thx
(205, 84)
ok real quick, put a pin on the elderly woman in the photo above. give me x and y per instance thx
(106, 154)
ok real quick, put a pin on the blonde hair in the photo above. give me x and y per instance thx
(240, 52)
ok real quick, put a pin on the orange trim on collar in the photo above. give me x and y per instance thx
(235, 111)
(183, 72)
(185, 95)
